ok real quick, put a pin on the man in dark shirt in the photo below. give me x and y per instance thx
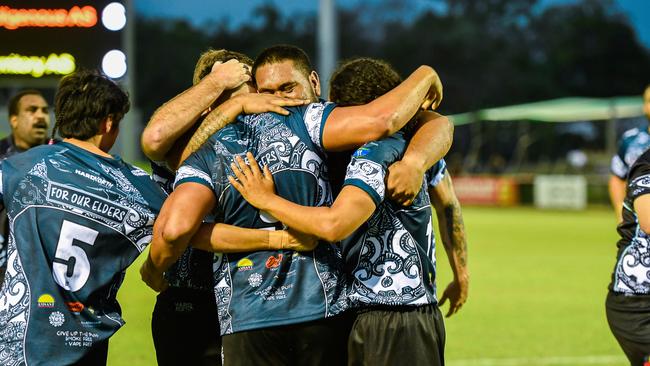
(29, 120)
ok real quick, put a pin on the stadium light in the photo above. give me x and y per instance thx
(114, 64)
(114, 16)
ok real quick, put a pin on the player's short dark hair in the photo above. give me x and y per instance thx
(210, 57)
(284, 52)
(361, 80)
(83, 100)
(14, 109)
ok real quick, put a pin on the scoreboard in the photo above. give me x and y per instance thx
(49, 38)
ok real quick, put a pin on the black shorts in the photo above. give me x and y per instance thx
(397, 336)
(185, 328)
(319, 342)
(629, 320)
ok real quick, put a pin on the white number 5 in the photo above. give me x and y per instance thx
(71, 267)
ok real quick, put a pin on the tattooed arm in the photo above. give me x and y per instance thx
(177, 116)
(225, 113)
(452, 230)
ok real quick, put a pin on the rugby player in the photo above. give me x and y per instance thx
(389, 250)
(80, 216)
(279, 307)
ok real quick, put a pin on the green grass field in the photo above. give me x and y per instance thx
(537, 292)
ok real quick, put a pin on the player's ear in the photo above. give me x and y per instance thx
(107, 125)
(314, 80)
(13, 121)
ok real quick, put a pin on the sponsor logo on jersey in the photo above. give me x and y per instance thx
(45, 301)
(90, 324)
(361, 152)
(94, 178)
(245, 264)
(273, 261)
(255, 280)
(75, 306)
(57, 319)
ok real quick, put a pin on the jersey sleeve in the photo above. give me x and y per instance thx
(369, 164)
(639, 181)
(314, 118)
(196, 168)
(162, 175)
(435, 174)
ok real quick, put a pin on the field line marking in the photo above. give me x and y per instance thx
(540, 361)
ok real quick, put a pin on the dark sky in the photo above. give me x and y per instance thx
(237, 11)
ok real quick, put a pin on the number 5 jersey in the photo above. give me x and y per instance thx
(77, 221)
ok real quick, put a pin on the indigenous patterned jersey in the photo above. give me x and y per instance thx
(633, 143)
(77, 221)
(7, 149)
(270, 288)
(391, 257)
(193, 270)
(632, 271)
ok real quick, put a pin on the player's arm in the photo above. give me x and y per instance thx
(432, 139)
(223, 114)
(179, 218)
(349, 211)
(350, 127)
(617, 185)
(223, 238)
(180, 222)
(452, 229)
(174, 118)
(616, 188)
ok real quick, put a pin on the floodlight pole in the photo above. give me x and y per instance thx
(129, 145)
(327, 43)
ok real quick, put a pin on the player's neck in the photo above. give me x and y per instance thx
(91, 145)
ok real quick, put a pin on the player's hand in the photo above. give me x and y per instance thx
(404, 181)
(255, 103)
(152, 277)
(255, 185)
(434, 96)
(231, 74)
(456, 292)
(301, 242)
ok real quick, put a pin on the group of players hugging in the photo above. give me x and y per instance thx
(284, 229)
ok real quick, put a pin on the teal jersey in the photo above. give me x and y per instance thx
(77, 221)
(271, 288)
(391, 257)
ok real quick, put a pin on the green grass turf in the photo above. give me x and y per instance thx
(537, 291)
